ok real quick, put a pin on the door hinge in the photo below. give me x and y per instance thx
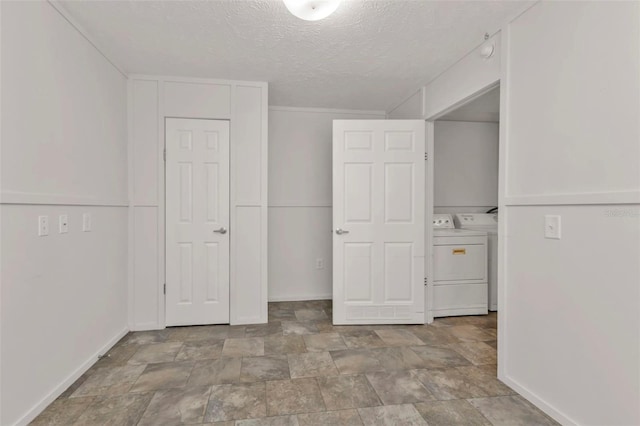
(426, 156)
(425, 281)
(164, 288)
(164, 154)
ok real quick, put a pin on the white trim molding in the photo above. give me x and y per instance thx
(580, 198)
(23, 198)
(382, 114)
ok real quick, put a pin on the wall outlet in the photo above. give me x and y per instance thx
(43, 226)
(63, 222)
(319, 263)
(86, 222)
(552, 227)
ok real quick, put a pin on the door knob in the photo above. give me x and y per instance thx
(341, 231)
(222, 230)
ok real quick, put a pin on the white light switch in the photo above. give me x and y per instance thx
(552, 226)
(319, 263)
(43, 226)
(63, 222)
(86, 222)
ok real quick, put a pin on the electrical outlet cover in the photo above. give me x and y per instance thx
(43, 226)
(86, 222)
(63, 222)
(552, 227)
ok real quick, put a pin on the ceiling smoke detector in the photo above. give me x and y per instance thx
(312, 10)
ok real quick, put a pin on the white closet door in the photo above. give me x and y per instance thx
(197, 221)
(378, 220)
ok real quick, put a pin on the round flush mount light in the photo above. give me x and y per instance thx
(312, 10)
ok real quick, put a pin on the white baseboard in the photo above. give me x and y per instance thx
(58, 390)
(549, 409)
(300, 298)
(147, 326)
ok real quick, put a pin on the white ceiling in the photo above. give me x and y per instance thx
(367, 55)
(485, 108)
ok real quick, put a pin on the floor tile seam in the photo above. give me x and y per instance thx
(75, 419)
(206, 406)
(333, 361)
(418, 411)
(480, 412)
(370, 385)
(344, 342)
(412, 376)
(485, 393)
(413, 373)
(155, 392)
(142, 411)
(451, 347)
(324, 401)
(382, 404)
(193, 367)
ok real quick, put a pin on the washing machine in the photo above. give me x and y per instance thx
(487, 222)
(459, 269)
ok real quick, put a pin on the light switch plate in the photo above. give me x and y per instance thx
(552, 227)
(319, 263)
(43, 226)
(86, 222)
(63, 222)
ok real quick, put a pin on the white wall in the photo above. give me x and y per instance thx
(410, 108)
(465, 163)
(64, 151)
(300, 200)
(569, 331)
(460, 83)
(151, 99)
(464, 80)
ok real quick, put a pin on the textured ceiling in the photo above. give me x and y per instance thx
(367, 55)
(484, 108)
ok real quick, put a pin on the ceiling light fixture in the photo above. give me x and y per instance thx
(312, 10)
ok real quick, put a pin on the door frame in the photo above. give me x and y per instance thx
(429, 134)
(163, 210)
(428, 219)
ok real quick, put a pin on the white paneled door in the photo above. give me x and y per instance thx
(197, 221)
(378, 221)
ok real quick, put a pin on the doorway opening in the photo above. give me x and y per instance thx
(465, 207)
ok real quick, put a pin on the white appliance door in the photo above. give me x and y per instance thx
(197, 221)
(378, 221)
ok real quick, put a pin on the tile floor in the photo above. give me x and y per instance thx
(299, 369)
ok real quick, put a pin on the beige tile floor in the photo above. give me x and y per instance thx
(299, 369)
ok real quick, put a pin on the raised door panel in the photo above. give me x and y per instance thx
(185, 273)
(398, 193)
(399, 272)
(358, 272)
(358, 193)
